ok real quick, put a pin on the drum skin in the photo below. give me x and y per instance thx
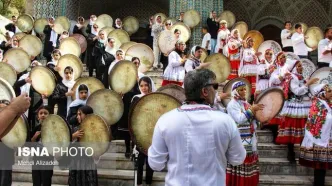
(144, 115)
(144, 53)
(242, 27)
(273, 100)
(81, 40)
(70, 45)
(8, 73)
(191, 18)
(220, 65)
(18, 135)
(72, 61)
(174, 90)
(229, 17)
(92, 83)
(6, 90)
(324, 75)
(256, 36)
(107, 104)
(31, 44)
(43, 80)
(96, 134)
(123, 76)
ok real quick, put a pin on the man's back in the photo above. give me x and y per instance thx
(196, 142)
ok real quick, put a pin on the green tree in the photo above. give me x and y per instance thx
(11, 7)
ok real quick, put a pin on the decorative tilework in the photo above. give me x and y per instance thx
(202, 6)
(44, 8)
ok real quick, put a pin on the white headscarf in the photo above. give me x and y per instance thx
(78, 101)
(153, 87)
(319, 89)
(116, 23)
(1, 55)
(110, 50)
(92, 22)
(54, 36)
(104, 41)
(93, 31)
(69, 84)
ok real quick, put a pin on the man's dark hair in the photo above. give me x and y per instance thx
(13, 16)
(298, 25)
(287, 22)
(205, 28)
(327, 30)
(86, 109)
(195, 81)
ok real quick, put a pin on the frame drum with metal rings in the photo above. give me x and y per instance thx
(43, 80)
(31, 44)
(104, 20)
(229, 17)
(120, 36)
(163, 17)
(72, 61)
(174, 90)
(61, 24)
(315, 34)
(324, 75)
(55, 132)
(108, 104)
(166, 41)
(144, 53)
(96, 134)
(291, 56)
(228, 89)
(308, 68)
(124, 47)
(70, 45)
(92, 83)
(8, 73)
(273, 100)
(40, 24)
(18, 135)
(256, 36)
(130, 24)
(269, 44)
(191, 18)
(25, 23)
(185, 31)
(242, 27)
(144, 115)
(81, 40)
(6, 90)
(123, 76)
(17, 58)
(220, 65)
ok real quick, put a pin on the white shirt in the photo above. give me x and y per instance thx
(284, 40)
(196, 146)
(206, 38)
(299, 46)
(324, 45)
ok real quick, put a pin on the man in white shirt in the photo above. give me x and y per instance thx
(286, 38)
(299, 46)
(195, 140)
(325, 49)
(206, 44)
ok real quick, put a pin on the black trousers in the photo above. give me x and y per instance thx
(288, 49)
(42, 177)
(149, 172)
(100, 72)
(6, 177)
(319, 177)
(322, 64)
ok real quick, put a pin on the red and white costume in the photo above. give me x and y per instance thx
(234, 54)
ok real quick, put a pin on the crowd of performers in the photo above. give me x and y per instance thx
(305, 119)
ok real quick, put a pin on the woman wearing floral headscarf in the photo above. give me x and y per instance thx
(316, 147)
(296, 108)
(243, 114)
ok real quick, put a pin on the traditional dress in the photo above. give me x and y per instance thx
(175, 71)
(246, 174)
(316, 147)
(223, 34)
(156, 30)
(233, 53)
(263, 73)
(248, 66)
(192, 63)
(296, 109)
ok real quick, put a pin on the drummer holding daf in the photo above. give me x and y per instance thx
(325, 49)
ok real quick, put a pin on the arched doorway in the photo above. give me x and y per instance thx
(271, 32)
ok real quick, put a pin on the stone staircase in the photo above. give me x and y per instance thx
(115, 169)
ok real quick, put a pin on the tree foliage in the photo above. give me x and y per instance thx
(12, 7)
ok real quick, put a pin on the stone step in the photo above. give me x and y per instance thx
(29, 184)
(126, 178)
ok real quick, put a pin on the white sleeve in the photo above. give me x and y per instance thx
(234, 110)
(284, 34)
(322, 48)
(296, 88)
(261, 69)
(298, 38)
(188, 66)
(208, 38)
(236, 152)
(172, 61)
(274, 79)
(158, 152)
